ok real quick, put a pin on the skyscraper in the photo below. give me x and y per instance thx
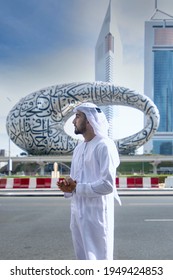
(108, 57)
(158, 78)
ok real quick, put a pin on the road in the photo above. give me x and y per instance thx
(37, 228)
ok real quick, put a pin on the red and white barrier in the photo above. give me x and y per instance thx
(169, 182)
(50, 183)
(28, 183)
(137, 182)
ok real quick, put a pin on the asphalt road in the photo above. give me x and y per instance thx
(37, 228)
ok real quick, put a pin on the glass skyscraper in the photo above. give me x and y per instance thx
(108, 58)
(158, 78)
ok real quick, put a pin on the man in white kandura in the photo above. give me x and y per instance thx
(91, 186)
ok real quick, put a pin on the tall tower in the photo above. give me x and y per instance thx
(158, 78)
(108, 58)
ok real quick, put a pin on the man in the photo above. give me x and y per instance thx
(92, 186)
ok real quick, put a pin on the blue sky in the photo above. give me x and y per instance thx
(46, 42)
(38, 27)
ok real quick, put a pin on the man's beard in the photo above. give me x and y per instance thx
(80, 130)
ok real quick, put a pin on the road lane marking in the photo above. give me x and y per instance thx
(158, 220)
(149, 204)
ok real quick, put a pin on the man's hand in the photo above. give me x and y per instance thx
(67, 185)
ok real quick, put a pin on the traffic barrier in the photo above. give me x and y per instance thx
(169, 182)
(9, 183)
(50, 183)
(21, 183)
(140, 182)
(28, 183)
(43, 183)
(3, 183)
(137, 182)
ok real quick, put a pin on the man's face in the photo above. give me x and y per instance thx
(80, 123)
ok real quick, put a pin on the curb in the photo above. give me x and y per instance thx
(58, 193)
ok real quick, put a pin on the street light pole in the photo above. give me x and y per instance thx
(9, 146)
(9, 156)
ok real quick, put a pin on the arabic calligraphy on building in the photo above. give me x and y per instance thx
(36, 122)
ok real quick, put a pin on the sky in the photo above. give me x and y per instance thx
(48, 42)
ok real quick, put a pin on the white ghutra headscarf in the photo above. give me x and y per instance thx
(96, 118)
